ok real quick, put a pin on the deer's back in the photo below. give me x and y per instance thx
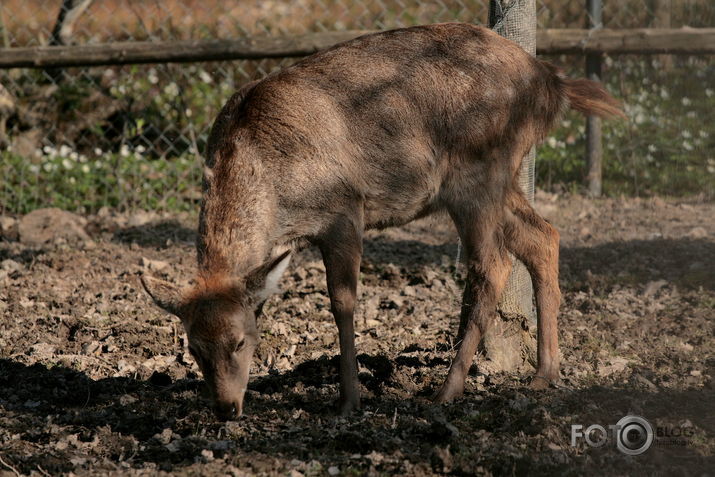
(384, 121)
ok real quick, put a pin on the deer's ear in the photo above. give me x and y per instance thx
(262, 282)
(165, 294)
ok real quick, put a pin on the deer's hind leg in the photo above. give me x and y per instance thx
(488, 267)
(536, 243)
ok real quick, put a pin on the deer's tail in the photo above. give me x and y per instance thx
(591, 98)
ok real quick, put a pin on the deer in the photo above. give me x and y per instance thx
(375, 132)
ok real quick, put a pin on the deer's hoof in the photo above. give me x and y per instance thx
(539, 382)
(447, 394)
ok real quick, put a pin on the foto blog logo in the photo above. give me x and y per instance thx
(633, 435)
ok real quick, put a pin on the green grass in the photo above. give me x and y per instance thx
(125, 180)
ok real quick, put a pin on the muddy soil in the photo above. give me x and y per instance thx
(94, 380)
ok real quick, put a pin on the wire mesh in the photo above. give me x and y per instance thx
(129, 136)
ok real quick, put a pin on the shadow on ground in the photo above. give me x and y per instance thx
(288, 416)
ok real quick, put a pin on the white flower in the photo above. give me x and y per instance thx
(74, 156)
(171, 89)
(686, 101)
(65, 150)
(72, 180)
(639, 119)
(188, 112)
(47, 166)
(551, 141)
(85, 168)
(664, 94)
(153, 78)
(47, 150)
(97, 151)
(34, 168)
(124, 150)
(67, 164)
(709, 92)
(652, 148)
(686, 134)
(703, 134)
(205, 77)
(140, 149)
(687, 146)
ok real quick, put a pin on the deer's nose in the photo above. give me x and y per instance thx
(227, 411)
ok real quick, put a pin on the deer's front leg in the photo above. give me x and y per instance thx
(342, 255)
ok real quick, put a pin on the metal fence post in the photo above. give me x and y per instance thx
(594, 144)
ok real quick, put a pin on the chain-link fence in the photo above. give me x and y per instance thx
(130, 136)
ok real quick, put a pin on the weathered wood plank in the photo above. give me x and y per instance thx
(642, 41)
(683, 41)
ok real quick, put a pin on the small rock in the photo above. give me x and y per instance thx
(154, 265)
(124, 367)
(127, 399)
(697, 233)
(333, 470)
(165, 436)
(140, 218)
(8, 228)
(652, 288)
(43, 226)
(10, 266)
(616, 365)
(394, 301)
(207, 455)
(173, 446)
(696, 373)
(93, 347)
(371, 323)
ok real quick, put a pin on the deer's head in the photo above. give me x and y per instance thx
(219, 315)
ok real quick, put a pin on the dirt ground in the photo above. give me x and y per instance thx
(94, 380)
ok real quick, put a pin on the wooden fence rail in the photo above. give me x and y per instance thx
(549, 41)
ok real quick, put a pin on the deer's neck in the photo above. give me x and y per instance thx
(236, 223)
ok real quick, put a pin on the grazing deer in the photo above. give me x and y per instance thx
(374, 132)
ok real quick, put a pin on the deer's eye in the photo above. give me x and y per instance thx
(239, 345)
